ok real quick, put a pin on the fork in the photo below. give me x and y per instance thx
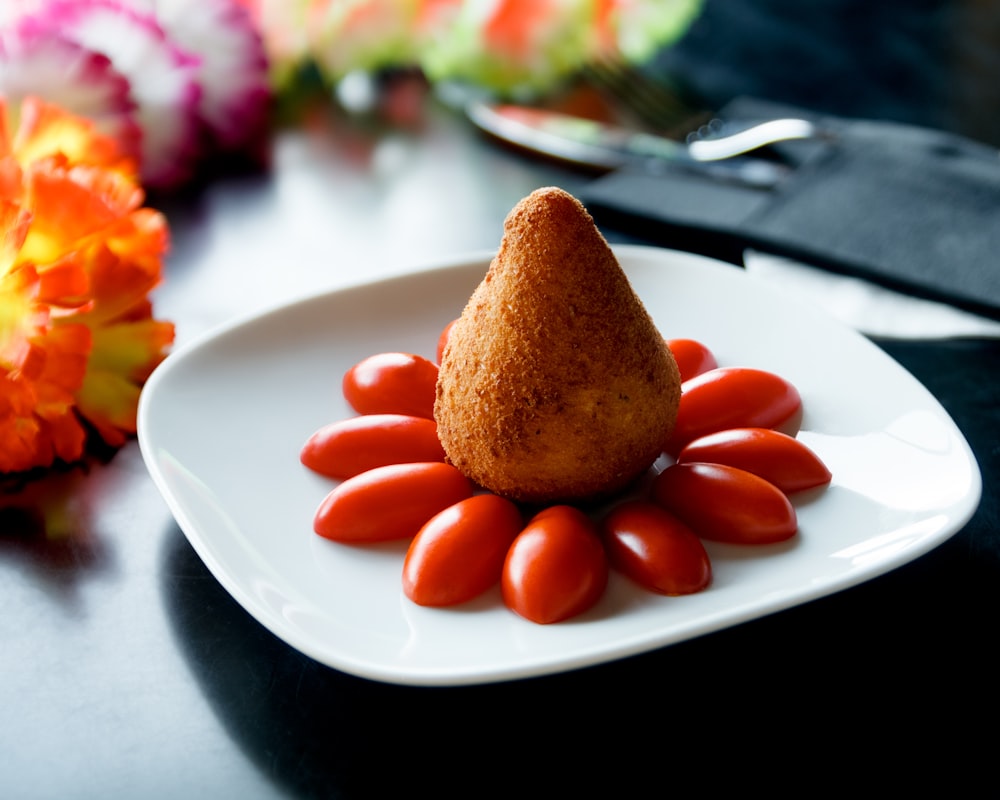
(717, 142)
(653, 102)
(656, 104)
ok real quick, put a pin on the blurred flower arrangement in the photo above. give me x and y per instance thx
(101, 100)
(179, 81)
(79, 255)
(173, 81)
(504, 46)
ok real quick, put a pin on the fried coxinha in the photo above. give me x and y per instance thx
(555, 385)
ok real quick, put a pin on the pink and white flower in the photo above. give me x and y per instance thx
(73, 77)
(161, 76)
(174, 80)
(233, 65)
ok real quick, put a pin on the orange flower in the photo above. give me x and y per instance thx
(78, 258)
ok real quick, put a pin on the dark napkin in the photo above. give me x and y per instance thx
(914, 209)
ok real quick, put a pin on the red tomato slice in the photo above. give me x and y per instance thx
(459, 553)
(733, 397)
(390, 502)
(556, 568)
(776, 457)
(655, 549)
(443, 339)
(351, 446)
(692, 357)
(392, 383)
(725, 504)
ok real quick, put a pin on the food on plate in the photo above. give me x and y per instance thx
(655, 549)
(775, 456)
(734, 397)
(443, 339)
(391, 502)
(350, 446)
(459, 553)
(692, 357)
(550, 397)
(555, 385)
(725, 504)
(556, 568)
(392, 383)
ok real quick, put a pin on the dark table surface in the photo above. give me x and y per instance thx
(126, 670)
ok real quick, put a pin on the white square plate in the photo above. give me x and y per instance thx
(221, 423)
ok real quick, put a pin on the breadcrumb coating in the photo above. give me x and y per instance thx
(555, 384)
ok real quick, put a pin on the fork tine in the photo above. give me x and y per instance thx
(653, 102)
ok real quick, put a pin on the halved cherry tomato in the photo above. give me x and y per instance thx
(443, 339)
(390, 502)
(459, 553)
(692, 357)
(734, 397)
(655, 549)
(348, 447)
(556, 567)
(774, 456)
(725, 504)
(392, 383)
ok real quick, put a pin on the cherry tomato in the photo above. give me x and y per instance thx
(459, 553)
(733, 397)
(655, 549)
(391, 502)
(774, 456)
(556, 568)
(392, 383)
(725, 504)
(351, 446)
(692, 357)
(443, 339)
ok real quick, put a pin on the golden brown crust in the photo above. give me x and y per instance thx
(555, 384)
